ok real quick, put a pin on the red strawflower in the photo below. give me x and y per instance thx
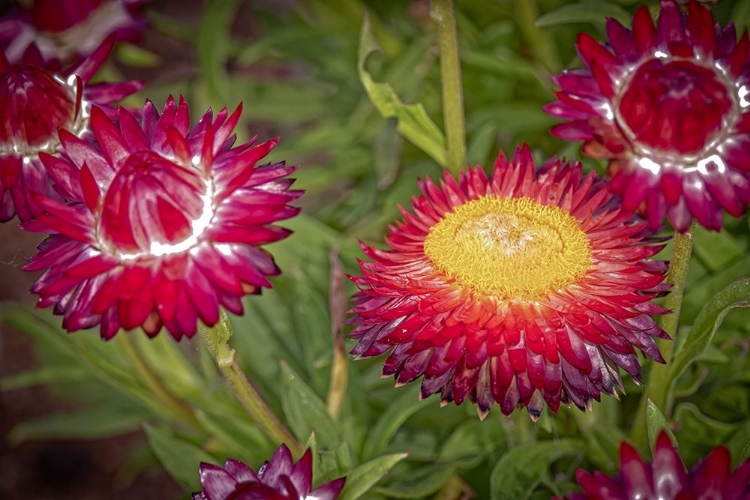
(35, 103)
(526, 287)
(665, 478)
(668, 106)
(278, 479)
(166, 222)
(66, 29)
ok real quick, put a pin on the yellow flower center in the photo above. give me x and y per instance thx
(511, 248)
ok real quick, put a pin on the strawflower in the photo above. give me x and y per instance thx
(526, 287)
(668, 107)
(665, 477)
(65, 30)
(277, 479)
(37, 103)
(166, 222)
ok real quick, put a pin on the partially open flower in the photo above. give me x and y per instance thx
(527, 287)
(166, 222)
(664, 478)
(668, 106)
(66, 29)
(278, 479)
(36, 104)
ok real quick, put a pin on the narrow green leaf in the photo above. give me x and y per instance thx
(334, 463)
(93, 423)
(390, 421)
(213, 45)
(181, 459)
(421, 482)
(589, 12)
(708, 321)
(655, 423)
(306, 412)
(43, 375)
(520, 470)
(413, 122)
(364, 477)
(741, 13)
(239, 437)
(739, 444)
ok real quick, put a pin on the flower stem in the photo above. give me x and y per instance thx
(337, 300)
(153, 383)
(659, 385)
(538, 40)
(443, 13)
(216, 340)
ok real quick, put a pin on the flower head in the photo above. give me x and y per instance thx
(668, 106)
(66, 29)
(665, 477)
(37, 103)
(277, 479)
(166, 222)
(526, 287)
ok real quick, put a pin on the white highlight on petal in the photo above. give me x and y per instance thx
(608, 111)
(649, 164)
(198, 226)
(742, 93)
(224, 249)
(660, 54)
(702, 165)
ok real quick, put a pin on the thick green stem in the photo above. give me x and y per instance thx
(659, 384)
(153, 383)
(216, 340)
(443, 13)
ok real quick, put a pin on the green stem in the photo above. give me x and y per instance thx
(538, 40)
(338, 302)
(216, 340)
(443, 13)
(153, 383)
(659, 384)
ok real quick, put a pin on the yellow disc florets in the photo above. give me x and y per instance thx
(510, 248)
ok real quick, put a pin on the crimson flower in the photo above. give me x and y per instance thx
(277, 479)
(665, 478)
(526, 287)
(668, 107)
(66, 29)
(165, 224)
(37, 103)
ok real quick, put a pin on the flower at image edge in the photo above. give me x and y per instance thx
(166, 225)
(277, 479)
(664, 478)
(523, 288)
(668, 106)
(37, 103)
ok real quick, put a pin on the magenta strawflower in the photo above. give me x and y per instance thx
(665, 478)
(66, 29)
(523, 288)
(278, 479)
(668, 106)
(165, 225)
(36, 103)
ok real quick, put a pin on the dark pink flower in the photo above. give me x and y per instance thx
(35, 103)
(165, 225)
(668, 106)
(665, 478)
(66, 29)
(278, 479)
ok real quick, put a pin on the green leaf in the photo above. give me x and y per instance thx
(421, 482)
(390, 421)
(741, 13)
(520, 470)
(361, 479)
(474, 440)
(243, 440)
(43, 375)
(708, 321)
(739, 444)
(92, 423)
(413, 122)
(181, 459)
(589, 12)
(213, 46)
(306, 412)
(655, 423)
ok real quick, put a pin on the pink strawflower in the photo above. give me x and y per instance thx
(278, 479)
(67, 29)
(36, 104)
(523, 288)
(668, 106)
(665, 478)
(165, 225)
